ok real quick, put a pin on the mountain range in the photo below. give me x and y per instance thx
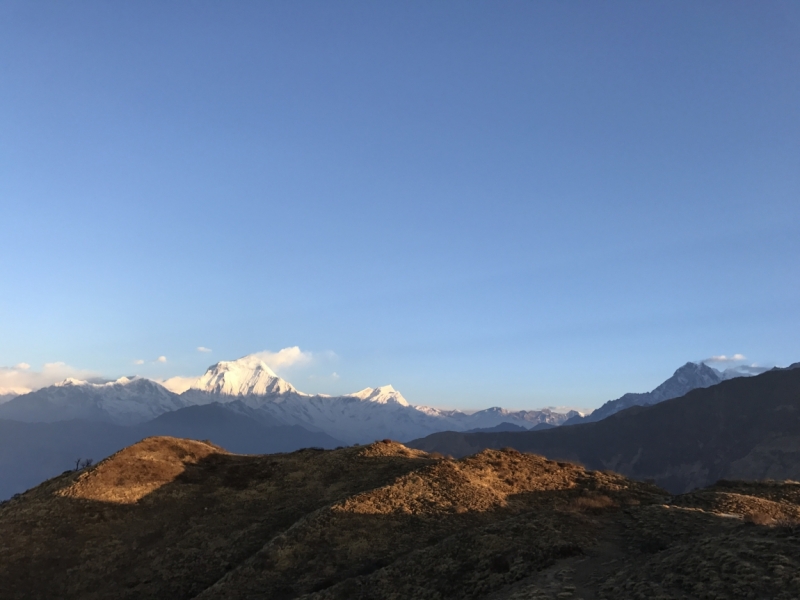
(241, 405)
(245, 407)
(741, 428)
(690, 376)
(360, 417)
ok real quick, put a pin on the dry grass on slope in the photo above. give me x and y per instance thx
(93, 534)
(136, 471)
(177, 519)
(510, 506)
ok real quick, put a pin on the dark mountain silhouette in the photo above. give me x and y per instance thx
(743, 428)
(542, 426)
(235, 431)
(33, 452)
(690, 376)
(501, 427)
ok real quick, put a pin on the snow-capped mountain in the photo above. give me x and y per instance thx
(742, 371)
(126, 401)
(372, 413)
(689, 377)
(491, 417)
(5, 397)
(248, 376)
(249, 387)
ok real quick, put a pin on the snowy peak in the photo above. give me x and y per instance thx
(690, 376)
(131, 383)
(382, 395)
(126, 401)
(685, 379)
(247, 376)
(71, 381)
(743, 371)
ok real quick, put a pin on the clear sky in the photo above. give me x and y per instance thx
(481, 203)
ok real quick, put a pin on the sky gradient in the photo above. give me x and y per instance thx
(484, 203)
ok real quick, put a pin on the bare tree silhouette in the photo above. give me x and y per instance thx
(82, 463)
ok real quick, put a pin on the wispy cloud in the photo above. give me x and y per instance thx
(178, 384)
(722, 359)
(138, 362)
(161, 359)
(21, 379)
(281, 361)
(285, 358)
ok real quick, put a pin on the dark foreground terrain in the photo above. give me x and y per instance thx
(173, 518)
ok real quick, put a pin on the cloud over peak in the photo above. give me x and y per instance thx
(725, 359)
(285, 358)
(178, 385)
(20, 379)
(203, 349)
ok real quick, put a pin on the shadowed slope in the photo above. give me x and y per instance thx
(172, 518)
(168, 517)
(744, 428)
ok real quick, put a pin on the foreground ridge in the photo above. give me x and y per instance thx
(170, 517)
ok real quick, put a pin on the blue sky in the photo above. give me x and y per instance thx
(481, 203)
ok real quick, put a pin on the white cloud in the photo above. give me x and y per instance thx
(161, 359)
(335, 375)
(138, 362)
(178, 384)
(20, 379)
(725, 359)
(286, 358)
(565, 409)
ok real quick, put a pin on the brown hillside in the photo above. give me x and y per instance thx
(171, 518)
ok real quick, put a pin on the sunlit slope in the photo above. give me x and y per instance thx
(174, 518)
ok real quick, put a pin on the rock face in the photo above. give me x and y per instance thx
(748, 428)
(172, 518)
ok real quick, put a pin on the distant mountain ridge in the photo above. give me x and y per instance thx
(244, 406)
(126, 401)
(742, 428)
(359, 417)
(690, 376)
